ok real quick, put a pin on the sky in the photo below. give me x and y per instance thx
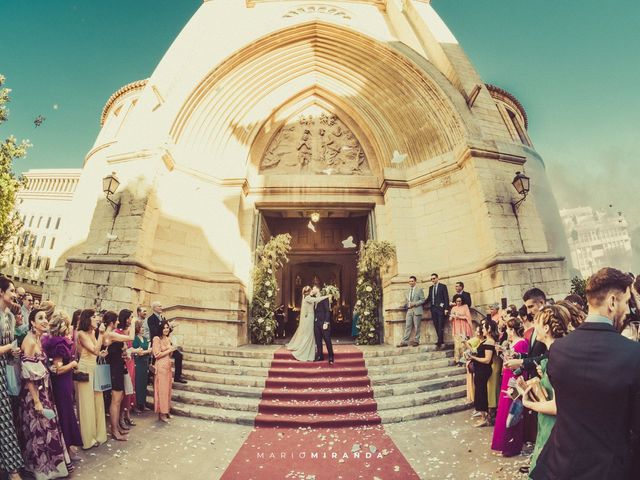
(572, 64)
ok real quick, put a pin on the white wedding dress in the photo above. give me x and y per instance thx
(303, 343)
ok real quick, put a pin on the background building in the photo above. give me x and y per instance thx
(43, 206)
(367, 112)
(597, 239)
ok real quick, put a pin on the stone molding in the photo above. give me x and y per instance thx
(130, 87)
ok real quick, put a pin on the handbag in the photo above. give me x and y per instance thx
(515, 412)
(102, 376)
(80, 376)
(13, 383)
(128, 385)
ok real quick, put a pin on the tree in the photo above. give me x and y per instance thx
(579, 287)
(10, 150)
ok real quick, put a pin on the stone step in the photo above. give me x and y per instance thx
(423, 411)
(411, 388)
(317, 382)
(311, 393)
(371, 351)
(222, 379)
(225, 369)
(405, 368)
(242, 404)
(247, 351)
(221, 360)
(333, 371)
(411, 358)
(318, 420)
(210, 413)
(334, 406)
(220, 390)
(414, 376)
(422, 398)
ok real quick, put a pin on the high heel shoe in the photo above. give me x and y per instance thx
(124, 426)
(483, 421)
(129, 422)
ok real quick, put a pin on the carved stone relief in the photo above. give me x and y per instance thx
(318, 143)
(314, 9)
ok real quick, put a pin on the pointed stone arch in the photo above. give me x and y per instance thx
(401, 105)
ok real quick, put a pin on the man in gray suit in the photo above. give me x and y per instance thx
(414, 300)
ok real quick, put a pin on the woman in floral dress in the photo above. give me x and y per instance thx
(10, 456)
(45, 453)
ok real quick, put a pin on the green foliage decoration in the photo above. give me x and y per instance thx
(10, 150)
(579, 287)
(269, 258)
(373, 256)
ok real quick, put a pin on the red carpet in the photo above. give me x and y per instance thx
(318, 421)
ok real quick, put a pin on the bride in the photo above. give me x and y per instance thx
(303, 343)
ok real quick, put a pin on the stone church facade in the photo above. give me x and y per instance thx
(367, 113)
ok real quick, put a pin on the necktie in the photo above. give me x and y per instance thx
(435, 291)
(411, 296)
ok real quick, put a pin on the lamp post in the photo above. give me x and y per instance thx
(521, 183)
(110, 184)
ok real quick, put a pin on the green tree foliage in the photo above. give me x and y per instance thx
(10, 150)
(579, 287)
(372, 257)
(270, 257)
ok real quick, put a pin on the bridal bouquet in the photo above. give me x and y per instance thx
(331, 290)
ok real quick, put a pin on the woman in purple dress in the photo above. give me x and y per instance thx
(45, 453)
(509, 440)
(59, 350)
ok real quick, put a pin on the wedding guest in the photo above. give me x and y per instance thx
(551, 322)
(461, 326)
(482, 371)
(509, 440)
(141, 313)
(438, 300)
(460, 291)
(154, 321)
(142, 366)
(472, 345)
(115, 358)
(44, 450)
(576, 300)
(10, 455)
(129, 400)
(493, 385)
(58, 348)
(48, 307)
(75, 320)
(162, 351)
(414, 299)
(90, 403)
(595, 373)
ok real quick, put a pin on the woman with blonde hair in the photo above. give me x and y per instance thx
(551, 322)
(59, 349)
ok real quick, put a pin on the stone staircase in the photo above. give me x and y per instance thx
(227, 384)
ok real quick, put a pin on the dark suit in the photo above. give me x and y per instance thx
(439, 301)
(154, 331)
(322, 315)
(466, 298)
(595, 373)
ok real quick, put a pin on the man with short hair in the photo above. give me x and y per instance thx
(439, 302)
(154, 331)
(141, 314)
(27, 306)
(595, 373)
(534, 299)
(465, 296)
(414, 298)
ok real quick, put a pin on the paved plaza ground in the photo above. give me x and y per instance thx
(446, 447)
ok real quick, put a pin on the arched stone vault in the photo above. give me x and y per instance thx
(394, 101)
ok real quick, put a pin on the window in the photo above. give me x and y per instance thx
(47, 263)
(29, 262)
(48, 222)
(39, 222)
(38, 262)
(44, 239)
(34, 239)
(53, 242)
(58, 223)
(519, 130)
(21, 259)
(25, 240)
(31, 221)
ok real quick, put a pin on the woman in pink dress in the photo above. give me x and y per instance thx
(461, 326)
(162, 384)
(509, 440)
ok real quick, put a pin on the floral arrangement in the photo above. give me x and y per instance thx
(373, 256)
(269, 258)
(331, 290)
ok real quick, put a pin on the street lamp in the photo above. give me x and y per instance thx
(521, 183)
(110, 184)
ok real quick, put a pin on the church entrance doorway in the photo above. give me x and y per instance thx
(324, 245)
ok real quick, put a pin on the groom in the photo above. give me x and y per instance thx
(322, 326)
